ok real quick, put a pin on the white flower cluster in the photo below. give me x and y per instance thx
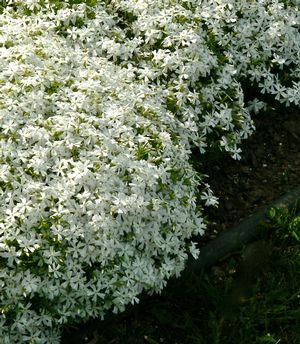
(101, 103)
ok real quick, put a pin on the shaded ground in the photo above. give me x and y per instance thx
(270, 166)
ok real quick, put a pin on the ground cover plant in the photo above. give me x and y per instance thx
(251, 297)
(101, 105)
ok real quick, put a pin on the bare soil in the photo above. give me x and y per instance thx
(270, 167)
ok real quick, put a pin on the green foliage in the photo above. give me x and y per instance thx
(285, 224)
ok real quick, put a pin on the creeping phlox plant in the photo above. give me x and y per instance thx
(101, 103)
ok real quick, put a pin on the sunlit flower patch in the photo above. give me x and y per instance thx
(101, 104)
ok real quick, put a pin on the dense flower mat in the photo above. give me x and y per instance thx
(101, 103)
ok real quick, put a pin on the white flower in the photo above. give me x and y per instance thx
(256, 105)
(98, 117)
(209, 199)
(194, 250)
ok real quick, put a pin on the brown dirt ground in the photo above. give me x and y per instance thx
(270, 167)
